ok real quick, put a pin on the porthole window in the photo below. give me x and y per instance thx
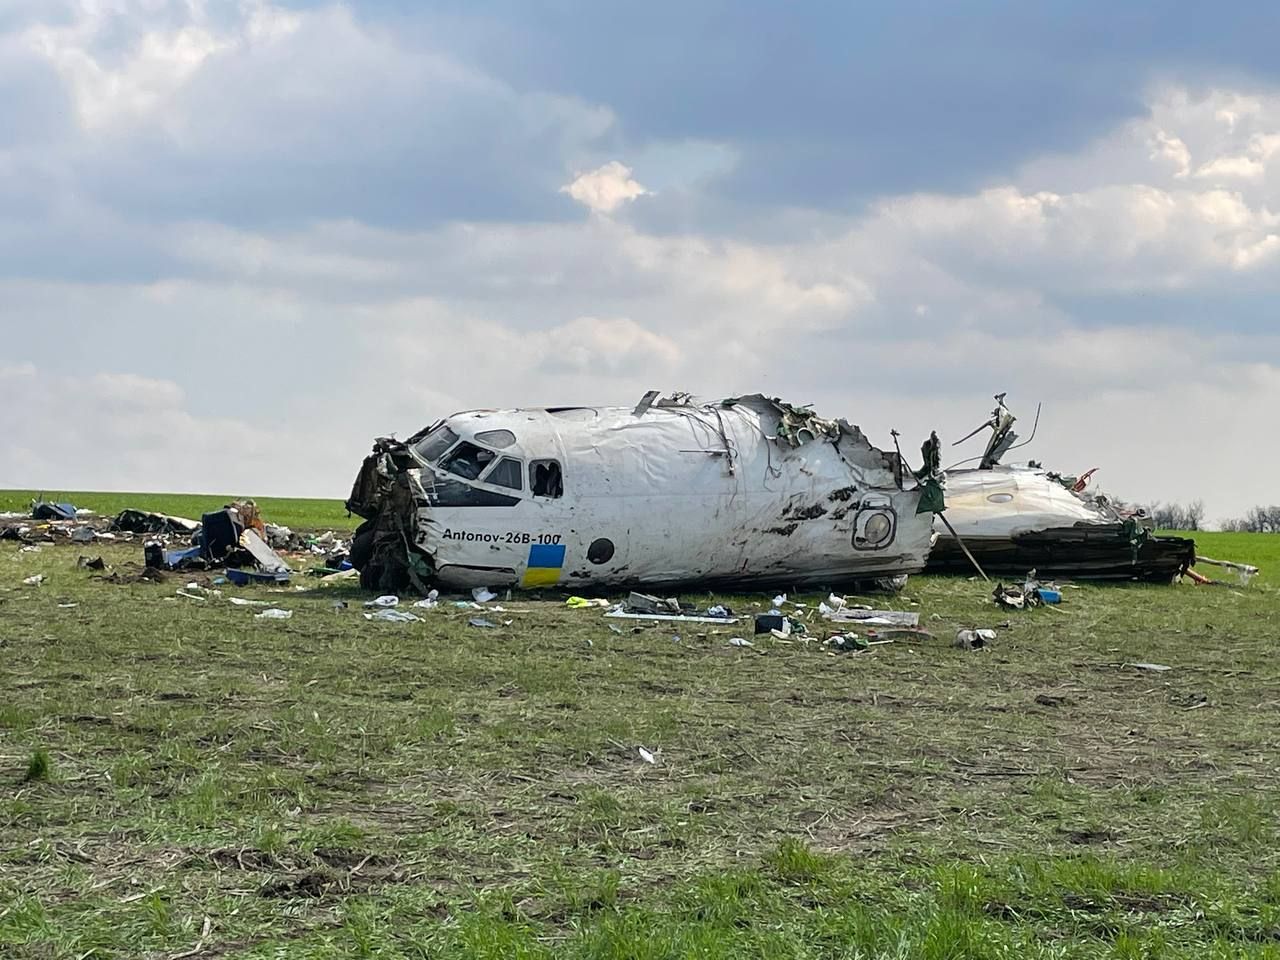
(600, 551)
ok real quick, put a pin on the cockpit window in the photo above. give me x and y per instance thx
(545, 479)
(467, 461)
(498, 439)
(505, 473)
(430, 447)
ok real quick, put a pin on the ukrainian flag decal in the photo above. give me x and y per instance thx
(546, 560)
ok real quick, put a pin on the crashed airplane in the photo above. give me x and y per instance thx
(1019, 518)
(676, 491)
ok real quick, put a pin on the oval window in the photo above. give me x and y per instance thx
(1000, 498)
(877, 529)
(496, 438)
(600, 551)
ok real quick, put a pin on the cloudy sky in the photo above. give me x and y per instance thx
(240, 239)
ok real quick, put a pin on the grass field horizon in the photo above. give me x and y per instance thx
(304, 513)
(182, 779)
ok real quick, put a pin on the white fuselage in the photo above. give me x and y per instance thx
(678, 495)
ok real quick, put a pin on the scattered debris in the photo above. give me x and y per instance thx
(740, 642)
(1244, 571)
(648, 756)
(34, 580)
(769, 622)
(392, 615)
(622, 615)
(483, 595)
(242, 602)
(274, 613)
(389, 600)
(867, 617)
(340, 576)
(1151, 667)
(264, 558)
(643, 603)
(142, 521)
(846, 643)
(973, 639)
(582, 603)
(1013, 597)
(244, 578)
(1031, 593)
(44, 510)
(481, 622)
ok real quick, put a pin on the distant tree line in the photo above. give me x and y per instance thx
(1177, 516)
(1257, 520)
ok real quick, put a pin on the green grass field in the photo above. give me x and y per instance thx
(181, 779)
(297, 513)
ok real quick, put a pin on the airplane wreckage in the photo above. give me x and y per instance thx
(1011, 519)
(748, 491)
(745, 491)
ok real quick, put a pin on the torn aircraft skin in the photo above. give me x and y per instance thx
(1021, 517)
(747, 491)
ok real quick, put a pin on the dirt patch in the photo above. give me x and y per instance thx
(128, 573)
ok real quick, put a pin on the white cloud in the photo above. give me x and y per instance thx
(609, 346)
(1174, 151)
(252, 113)
(117, 431)
(606, 188)
(155, 66)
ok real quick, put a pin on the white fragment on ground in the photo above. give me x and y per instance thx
(384, 602)
(740, 642)
(34, 581)
(274, 613)
(392, 616)
(647, 756)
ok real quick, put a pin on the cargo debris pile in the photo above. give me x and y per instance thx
(235, 537)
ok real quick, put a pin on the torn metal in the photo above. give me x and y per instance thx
(1021, 517)
(744, 491)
